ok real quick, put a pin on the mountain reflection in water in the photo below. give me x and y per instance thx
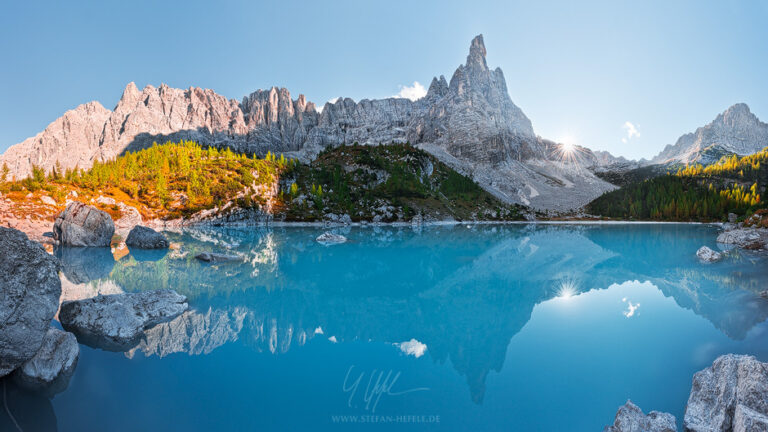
(463, 292)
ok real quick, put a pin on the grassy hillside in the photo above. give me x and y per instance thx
(732, 185)
(387, 183)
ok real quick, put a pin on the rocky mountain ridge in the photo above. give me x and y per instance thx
(735, 131)
(469, 122)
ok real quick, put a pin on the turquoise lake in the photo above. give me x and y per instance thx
(481, 327)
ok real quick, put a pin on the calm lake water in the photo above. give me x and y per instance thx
(514, 328)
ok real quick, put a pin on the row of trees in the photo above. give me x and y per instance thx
(732, 185)
(154, 176)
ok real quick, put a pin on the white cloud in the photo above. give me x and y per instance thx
(632, 131)
(414, 92)
(333, 339)
(413, 347)
(631, 308)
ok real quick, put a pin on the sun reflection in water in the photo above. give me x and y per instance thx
(568, 289)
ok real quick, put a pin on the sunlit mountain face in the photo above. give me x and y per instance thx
(479, 324)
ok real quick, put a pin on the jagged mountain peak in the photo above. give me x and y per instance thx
(470, 123)
(477, 53)
(734, 131)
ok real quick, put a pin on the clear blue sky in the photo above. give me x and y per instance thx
(579, 71)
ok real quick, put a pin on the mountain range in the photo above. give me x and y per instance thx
(469, 123)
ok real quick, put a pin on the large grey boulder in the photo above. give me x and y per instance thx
(630, 418)
(116, 322)
(329, 238)
(146, 238)
(83, 225)
(708, 255)
(53, 364)
(29, 296)
(730, 395)
(745, 238)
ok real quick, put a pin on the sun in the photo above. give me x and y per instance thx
(567, 147)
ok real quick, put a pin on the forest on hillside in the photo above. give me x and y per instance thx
(694, 193)
(392, 182)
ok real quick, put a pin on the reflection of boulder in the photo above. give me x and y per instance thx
(81, 265)
(32, 411)
(51, 368)
(192, 332)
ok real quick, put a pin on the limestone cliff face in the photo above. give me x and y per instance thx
(470, 123)
(736, 130)
(473, 117)
(72, 139)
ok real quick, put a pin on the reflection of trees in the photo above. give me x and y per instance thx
(463, 292)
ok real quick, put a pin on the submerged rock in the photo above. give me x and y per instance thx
(745, 238)
(52, 365)
(29, 296)
(116, 322)
(331, 238)
(730, 395)
(217, 257)
(630, 418)
(83, 225)
(146, 238)
(708, 255)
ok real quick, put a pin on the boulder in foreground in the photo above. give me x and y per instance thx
(146, 238)
(29, 296)
(630, 418)
(329, 238)
(53, 365)
(730, 395)
(708, 255)
(83, 225)
(116, 322)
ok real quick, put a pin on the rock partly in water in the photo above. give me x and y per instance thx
(217, 257)
(708, 255)
(53, 365)
(116, 322)
(730, 395)
(146, 238)
(745, 238)
(29, 296)
(83, 225)
(630, 418)
(329, 238)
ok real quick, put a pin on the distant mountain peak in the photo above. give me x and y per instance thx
(734, 131)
